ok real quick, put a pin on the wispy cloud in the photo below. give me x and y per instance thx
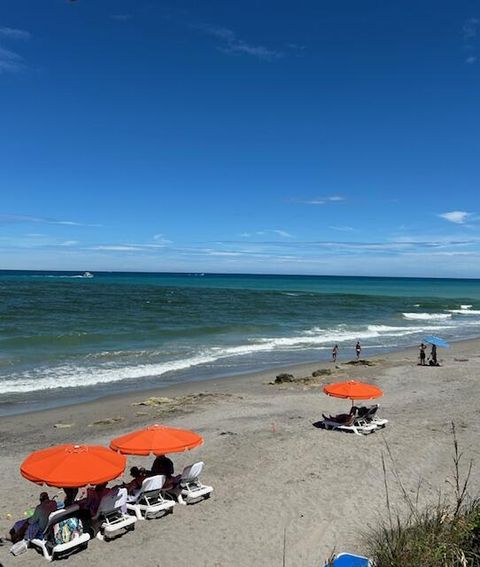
(121, 17)
(342, 228)
(35, 241)
(470, 29)
(321, 200)
(296, 46)
(470, 34)
(283, 233)
(14, 33)
(11, 219)
(231, 44)
(11, 61)
(116, 248)
(457, 217)
(278, 231)
(161, 240)
(160, 244)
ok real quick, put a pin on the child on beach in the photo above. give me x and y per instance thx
(334, 353)
(358, 349)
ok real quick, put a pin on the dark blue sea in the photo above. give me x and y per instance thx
(68, 336)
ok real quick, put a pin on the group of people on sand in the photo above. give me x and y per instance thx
(432, 357)
(35, 525)
(358, 350)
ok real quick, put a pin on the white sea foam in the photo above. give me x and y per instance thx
(464, 311)
(426, 316)
(74, 376)
(465, 306)
(71, 376)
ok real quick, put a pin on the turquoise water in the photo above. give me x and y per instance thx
(65, 337)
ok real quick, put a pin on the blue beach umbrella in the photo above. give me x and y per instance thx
(437, 341)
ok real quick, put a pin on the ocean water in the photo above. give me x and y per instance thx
(65, 337)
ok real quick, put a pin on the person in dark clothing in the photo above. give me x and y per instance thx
(162, 465)
(433, 356)
(422, 354)
(70, 495)
(358, 350)
(343, 418)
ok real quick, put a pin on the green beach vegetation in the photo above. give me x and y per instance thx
(443, 534)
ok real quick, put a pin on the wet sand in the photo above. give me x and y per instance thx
(273, 472)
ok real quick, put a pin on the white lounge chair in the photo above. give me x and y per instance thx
(358, 426)
(191, 489)
(149, 501)
(47, 545)
(111, 516)
(372, 417)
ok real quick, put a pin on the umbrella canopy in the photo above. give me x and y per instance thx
(437, 341)
(157, 440)
(353, 390)
(72, 466)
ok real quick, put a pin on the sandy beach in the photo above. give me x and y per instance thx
(272, 471)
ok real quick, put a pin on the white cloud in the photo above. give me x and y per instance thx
(117, 248)
(457, 217)
(283, 233)
(10, 61)
(277, 231)
(121, 17)
(10, 219)
(470, 28)
(68, 243)
(323, 200)
(232, 44)
(342, 228)
(13, 33)
(161, 240)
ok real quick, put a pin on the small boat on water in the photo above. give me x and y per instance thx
(87, 275)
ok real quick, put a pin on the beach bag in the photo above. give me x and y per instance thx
(66, 530)
(19, 547)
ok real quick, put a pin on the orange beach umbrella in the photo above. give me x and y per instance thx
(156, 439)
(353, 390)
(73, 466)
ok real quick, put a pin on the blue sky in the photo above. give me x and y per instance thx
(308, 137)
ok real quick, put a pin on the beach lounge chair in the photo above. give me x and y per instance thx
(149, 502)
(49, 544)
(370, 416)
(349, 560)
(357, 425)
(191, 489)
(111, 517)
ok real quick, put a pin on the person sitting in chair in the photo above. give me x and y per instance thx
(36, 524)
(164, 465)
(343, 418)
(138, 476)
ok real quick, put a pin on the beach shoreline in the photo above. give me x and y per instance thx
(271, 469)
(221, 383)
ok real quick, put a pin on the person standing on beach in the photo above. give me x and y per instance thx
(358, 349)
(422, 354)
(433, 356)
(334, 353)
